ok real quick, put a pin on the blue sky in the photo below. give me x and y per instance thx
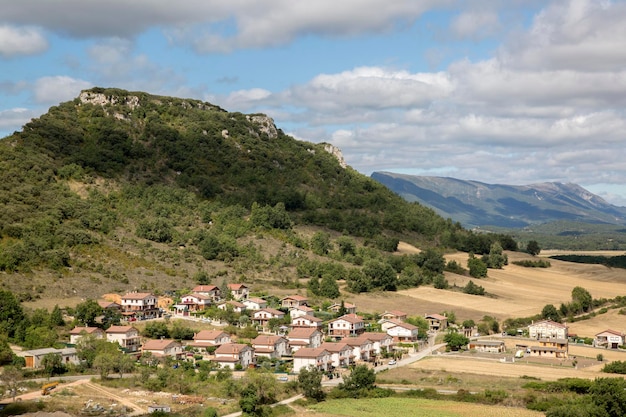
(509, 92)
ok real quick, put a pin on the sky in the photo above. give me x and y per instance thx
(499, 91)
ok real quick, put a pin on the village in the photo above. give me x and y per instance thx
(293, 334)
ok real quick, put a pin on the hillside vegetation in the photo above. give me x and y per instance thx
(142, 191)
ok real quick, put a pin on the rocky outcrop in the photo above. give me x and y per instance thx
(336, 152)
(100, 99)
(265, 123)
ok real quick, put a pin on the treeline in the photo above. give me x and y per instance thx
(609, 261)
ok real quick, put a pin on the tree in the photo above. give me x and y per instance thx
(360, 379)
(125, 364)
(87, 312)
(455, 340)
(156, 330)
(11, 313)
(381, 275)
(357, 281)
(346, 245)
(473, 289)
(496, 258)
(6, 354)
(310, 382)
(328, 287)
(105, 363)
(549, 312)
(477, 268)
(320, 243)
(533, 248)
(583, 298)
(468, 324)
(11, 379)
(52, 364)
(56, 317)
(610, 394)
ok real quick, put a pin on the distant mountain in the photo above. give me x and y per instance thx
(474, 203)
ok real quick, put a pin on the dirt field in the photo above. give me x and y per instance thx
(516, 291)
(498, 369)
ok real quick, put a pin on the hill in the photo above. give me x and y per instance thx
(474, 203)
(119, 190)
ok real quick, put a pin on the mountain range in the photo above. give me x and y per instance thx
(474, 203)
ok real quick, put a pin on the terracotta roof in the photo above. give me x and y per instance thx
(302, 333)
(267, 339)
(209, 334)
(205, 288)
(375, 337)
(404, 325)
(108, 304)
(356, 341)
(230, 348)
(137, 295)
(272, 311)
(235, 304)
(334, 347)
(256, 300)
(236, 287)
(310, 353)
(396, 313)
(120, 329)
(350, 318)
(198, 296)
(294, 297)
(159, 344)
(88, 330)
(436, 317)
(549, 322)
(615, 332)
(309, 318)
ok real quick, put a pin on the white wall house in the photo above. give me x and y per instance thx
(311, 357)
(126, 336)
(231, 354)
(547, 329)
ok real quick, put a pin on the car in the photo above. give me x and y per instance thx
(392, 362)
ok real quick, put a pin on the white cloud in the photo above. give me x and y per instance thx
(217, 25)
(584, 35)
(55, 89)
(21, 41)
(476, 24)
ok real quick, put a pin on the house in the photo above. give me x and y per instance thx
(307, 321)
(109, 305)
(381, 342)
(386, 324)
(487, 346)
(299, 311)
(340, 354)
(547, 352)
(348, 325)
(547, 328)
(126, 336)
(33, 358)
(270, 346)
(436, 322)
(254, 303)
(348, 308)
(159, 407)
(236, 306)
(362, 348)
(263, 316)
(304, 337)
(403, 333)
(162, 348)
(294, 301)
(610, 339)
(239, 291)
(78, 332)
(311, 357)
(211, 291)
(233, 354)
(208, 338)
(193, 303)
(140, 306)
(394, 315)
(550, 348)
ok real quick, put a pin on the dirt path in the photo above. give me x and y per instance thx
(121, 400)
